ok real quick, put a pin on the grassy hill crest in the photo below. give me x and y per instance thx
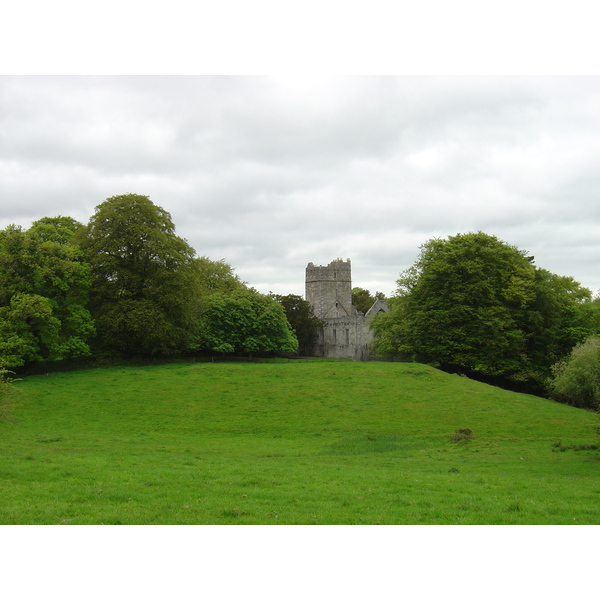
(315, 441)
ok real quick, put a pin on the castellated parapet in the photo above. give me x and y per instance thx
(329, 289)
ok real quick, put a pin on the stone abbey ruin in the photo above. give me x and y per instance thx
(346, 333)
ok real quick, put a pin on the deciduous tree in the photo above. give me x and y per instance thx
(363, 299)
(561, 316)
(143, 277)
(247, 322)
(300, 316)
(474, 303)
(44, 289)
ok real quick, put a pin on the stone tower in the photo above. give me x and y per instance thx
(346, 333)
(329, 289)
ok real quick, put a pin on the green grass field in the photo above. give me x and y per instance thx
(292, 442)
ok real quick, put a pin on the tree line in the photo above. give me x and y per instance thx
(125, 285)
(475, 305)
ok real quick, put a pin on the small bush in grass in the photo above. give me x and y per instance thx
(576, 379)
(463, 435)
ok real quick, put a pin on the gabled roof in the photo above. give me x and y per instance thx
(378, 306)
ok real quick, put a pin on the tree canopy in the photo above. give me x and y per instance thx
(363, 300)
(44, 289)
(474, 303)
(142, 276)
(124, 285)
(247, 322)
(301, 317)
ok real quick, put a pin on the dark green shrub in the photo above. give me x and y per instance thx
(463, 435)
(576, 379)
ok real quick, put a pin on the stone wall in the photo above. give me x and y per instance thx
(344, 337)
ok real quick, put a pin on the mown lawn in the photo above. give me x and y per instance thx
(292, 442)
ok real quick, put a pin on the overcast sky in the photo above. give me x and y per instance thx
(270, 173)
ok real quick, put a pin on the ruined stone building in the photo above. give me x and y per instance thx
(346, 333)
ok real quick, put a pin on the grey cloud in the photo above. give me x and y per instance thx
(272, 173)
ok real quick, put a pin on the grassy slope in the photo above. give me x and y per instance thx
(291, 442)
